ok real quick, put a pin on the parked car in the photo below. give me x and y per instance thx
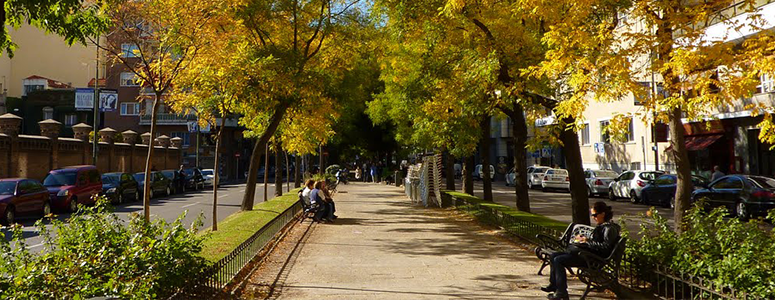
(598, 181)
(70, 186)
(119, 187)
(662, 190)
(22, 197)
(178, 180)
(479, 175)
(511, 176)
(194, 179)
(209, 175)
(556, 179)
(159, 183)
(629, 184)
(743, 195)
(536, 176)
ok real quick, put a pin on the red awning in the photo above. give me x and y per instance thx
(694, 143)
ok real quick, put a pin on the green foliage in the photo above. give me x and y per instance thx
(95, 253)
(727, 252)
(508, 210)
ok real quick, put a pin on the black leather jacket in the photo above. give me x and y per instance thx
(604, 239)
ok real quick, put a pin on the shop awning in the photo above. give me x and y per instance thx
(694, 143)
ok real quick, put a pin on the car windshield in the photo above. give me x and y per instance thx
(207, 172)
(140, 177)
(60, 179)
(604, 173)
(169, 174)
(560, 172)
(7, 187)
(540, 170)
(112, 178)
(649, 175)
(764, 182)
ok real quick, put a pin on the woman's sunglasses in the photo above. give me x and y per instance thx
(595, 214)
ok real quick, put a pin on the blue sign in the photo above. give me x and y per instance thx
(546, 152)
(536, 154)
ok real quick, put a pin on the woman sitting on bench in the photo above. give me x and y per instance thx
(602, 242)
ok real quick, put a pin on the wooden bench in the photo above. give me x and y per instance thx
(548, 245)
(602, 273)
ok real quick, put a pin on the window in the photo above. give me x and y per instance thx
(129, 50)
(728, 183)
(71, 119)
(128, 79)
(666, 180)
(585, 134)
(29, 88)
(631, 131)
(767, 84)
(604, 136)
(183, 135)
(130, 109)
(48, 113)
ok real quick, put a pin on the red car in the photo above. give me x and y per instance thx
(69, 186)
(20, 196)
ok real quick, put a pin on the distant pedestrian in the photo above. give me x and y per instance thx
(357, 173)
(716, 173)
(373, 173)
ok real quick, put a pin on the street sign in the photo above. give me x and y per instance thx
(237, 155)
(84, 99)
(546, 152)
(536, 154)
(600, 149)
(193, 127)
(108, 100)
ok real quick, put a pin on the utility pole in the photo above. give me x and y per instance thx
(95, 104)
(197, 145)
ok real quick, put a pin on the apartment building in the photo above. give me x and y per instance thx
(727, 138)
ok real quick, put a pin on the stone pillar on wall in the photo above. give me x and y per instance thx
(164, 141)
(50, 129)
(130, 137)
(9, 125)
(81, 131)
(107, 135)
(146, 138)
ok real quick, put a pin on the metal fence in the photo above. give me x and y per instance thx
(218, 276)
(654, 280)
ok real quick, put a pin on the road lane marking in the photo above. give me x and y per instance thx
(189, 205)
(222, 196)
(35, 246)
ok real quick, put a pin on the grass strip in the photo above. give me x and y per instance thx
(508, 210)
(239, 226)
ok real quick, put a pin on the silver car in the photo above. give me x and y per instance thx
(630, 184)
(511, 176)
(536, 176)
(598, 181)
(556, 179)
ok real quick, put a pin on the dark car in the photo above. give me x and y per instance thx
(194, 179)
(69, 186)
(662, 190)
(159, 183)
(120, 187)
(743, 195)
(20, 196)
(178, 180)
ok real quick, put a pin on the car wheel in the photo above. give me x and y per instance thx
(73, 207)
(137, 195)
(589, 193)
(742, 214)
(9, 216)
(611, 195)
(150, 194)
(169, 191)
(46, 208)
(544, 189)
(633, 198)
(121, 198)
(672, 202)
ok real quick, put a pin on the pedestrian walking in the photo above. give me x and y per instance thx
(374, 173)
(716, 173)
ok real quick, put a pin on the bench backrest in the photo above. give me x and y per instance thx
(576, 230)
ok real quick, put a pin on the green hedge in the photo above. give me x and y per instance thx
(508, 210)
(240, 226)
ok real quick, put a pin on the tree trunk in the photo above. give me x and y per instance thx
(449, 166)
(468, 179)
(578, 186)
(486, 178)
(297, 171)
(519, 132)
(278, 168)
(216, 177)
(148, 161)
(255, 158)
(683, 188)
(321, 168)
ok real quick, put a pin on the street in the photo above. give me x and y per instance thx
(169, 208)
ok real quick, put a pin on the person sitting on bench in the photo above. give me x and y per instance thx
(602, 242)
(308, 186)
(317, 197)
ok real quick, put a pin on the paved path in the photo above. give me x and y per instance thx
(383, 248)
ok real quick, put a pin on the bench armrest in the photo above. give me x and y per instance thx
(549, 242)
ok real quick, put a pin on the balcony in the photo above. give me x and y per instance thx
(167, 119)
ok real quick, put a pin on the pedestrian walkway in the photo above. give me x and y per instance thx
(383, 248)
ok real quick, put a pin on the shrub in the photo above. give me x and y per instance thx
(727, 252)
(96, 254)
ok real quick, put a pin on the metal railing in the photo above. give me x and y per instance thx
(655, 280)
(167, 119)
(218, 276)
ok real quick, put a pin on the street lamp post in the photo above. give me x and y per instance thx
(95, 104)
